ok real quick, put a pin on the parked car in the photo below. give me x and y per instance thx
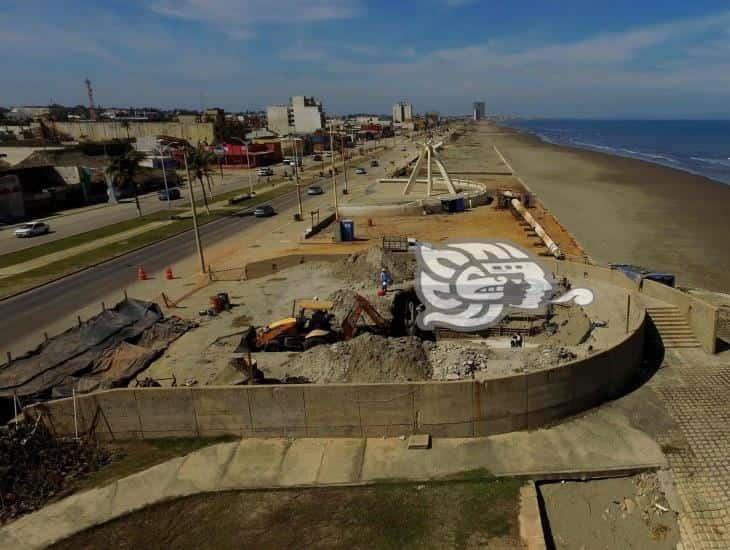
(173, 192)
(317, 158)
(32, 229)
(264, 211)
(265, 171)
(314, 190)
(374, 163)
(404, 148)
(360, 171)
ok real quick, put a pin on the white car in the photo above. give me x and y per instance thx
(264, 171)
(32, 229)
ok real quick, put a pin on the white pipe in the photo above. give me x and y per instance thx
(549, 243)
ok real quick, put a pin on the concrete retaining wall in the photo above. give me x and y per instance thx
(273, 265)
(443, 409)
(702, 317)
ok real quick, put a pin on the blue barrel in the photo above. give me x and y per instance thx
(459, 204)
(347, 228)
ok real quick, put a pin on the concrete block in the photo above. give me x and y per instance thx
(166, 412)
(276, 408)
(419, 441)
(222, 411)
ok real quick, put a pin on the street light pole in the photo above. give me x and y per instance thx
(334, 173)
(195, 213)
(161, 150)
(296, 179)
(344, 160)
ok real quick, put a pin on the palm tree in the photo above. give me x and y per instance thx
(199, 161)
(123, 170)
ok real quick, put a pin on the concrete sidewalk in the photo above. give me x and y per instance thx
(598, 444)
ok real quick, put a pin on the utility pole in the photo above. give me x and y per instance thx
(334, 174)
(162, 150)
(296, 179)
(195, 213)
(344, 161)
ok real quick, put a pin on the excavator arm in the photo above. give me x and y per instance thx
(362, 307)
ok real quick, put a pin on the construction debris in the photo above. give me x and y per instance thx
(36, 468)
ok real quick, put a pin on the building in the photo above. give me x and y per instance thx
(250, 156)
(478, 111)
(303, 115)
(27, 113)
(402, 112)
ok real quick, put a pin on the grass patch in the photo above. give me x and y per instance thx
(465, 514)
(34, 252)
(34, 277)
(129, 457)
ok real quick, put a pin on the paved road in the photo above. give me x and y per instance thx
(71, 293)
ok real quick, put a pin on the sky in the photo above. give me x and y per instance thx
(559, 58)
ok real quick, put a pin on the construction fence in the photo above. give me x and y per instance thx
(442, 409)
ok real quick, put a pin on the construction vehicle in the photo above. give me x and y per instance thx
(310, 325)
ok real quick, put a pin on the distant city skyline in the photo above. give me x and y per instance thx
(653, 59)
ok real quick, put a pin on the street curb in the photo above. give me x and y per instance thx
(91, 266)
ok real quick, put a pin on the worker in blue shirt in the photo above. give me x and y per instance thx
(385, 279)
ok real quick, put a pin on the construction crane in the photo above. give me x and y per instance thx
(90, 92)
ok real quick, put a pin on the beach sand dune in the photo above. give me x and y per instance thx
(628, 211)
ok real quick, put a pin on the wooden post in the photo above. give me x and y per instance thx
(628, 311)
(78, 317)
(103, 307)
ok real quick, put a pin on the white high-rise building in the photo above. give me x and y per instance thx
(402, 112)
(478, 110)
(303, 115)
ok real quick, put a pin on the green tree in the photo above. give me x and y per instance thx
(199, 161)
(123, 171)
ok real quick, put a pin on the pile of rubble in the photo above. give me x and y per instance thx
(455, 360)
(368, 358)
(547, 356)
(35, 467)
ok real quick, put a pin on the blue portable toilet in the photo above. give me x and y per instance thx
(347, 228)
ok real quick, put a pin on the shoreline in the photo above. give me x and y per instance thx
(628, 210)
(614, 153)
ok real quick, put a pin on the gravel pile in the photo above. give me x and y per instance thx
(366, 358)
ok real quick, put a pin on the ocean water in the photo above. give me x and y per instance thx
(696, 146)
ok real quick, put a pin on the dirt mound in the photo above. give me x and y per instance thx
(365, 266)
(344, 300)
(457, 360)
(366, 358)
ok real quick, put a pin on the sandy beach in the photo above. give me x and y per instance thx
(628, 211)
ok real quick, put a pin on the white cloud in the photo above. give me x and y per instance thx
(240, 18)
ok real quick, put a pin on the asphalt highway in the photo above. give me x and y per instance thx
(25, 312)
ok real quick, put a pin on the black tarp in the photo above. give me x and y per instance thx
(82, 350)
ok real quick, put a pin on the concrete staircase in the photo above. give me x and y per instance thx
(673, 328)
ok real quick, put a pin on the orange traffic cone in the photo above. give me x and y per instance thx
(141, 274)
(168, 274)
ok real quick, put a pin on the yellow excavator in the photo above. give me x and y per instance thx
(311, 325)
